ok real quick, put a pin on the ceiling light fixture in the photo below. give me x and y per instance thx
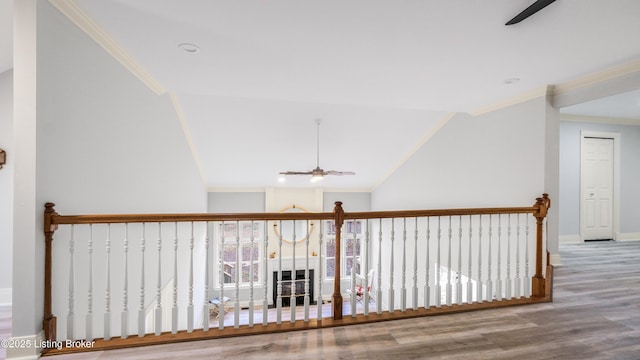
(190, 48)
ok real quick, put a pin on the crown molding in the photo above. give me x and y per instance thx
(529, 95)
(82, 20)
(598, 77)
(599, 119)
(443, 121)
(177, 107)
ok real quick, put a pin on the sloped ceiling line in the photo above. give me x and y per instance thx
(81, 19)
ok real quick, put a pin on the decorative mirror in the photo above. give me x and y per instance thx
(291, 227)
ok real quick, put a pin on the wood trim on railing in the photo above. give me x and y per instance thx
(541, 287)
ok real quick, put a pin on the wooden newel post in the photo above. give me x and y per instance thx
(538, 282)
(49, 321)
(338, 216)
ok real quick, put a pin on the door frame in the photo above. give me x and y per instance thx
(616, 177)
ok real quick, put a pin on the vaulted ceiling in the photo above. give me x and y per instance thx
(382, 74)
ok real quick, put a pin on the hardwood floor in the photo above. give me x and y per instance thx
(595, 315)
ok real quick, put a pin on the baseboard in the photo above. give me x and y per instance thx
(628, 236)
(26, 347)
(555, 259)
(6, 297)
(569, 239)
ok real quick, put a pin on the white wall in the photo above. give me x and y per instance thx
(570, 175)
(495, 159)
(105, 143)
(6, 186)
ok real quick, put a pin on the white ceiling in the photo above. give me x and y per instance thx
(380, 73)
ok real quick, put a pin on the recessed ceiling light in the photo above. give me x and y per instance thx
(281, 179)
(510, 81)
(190, 48)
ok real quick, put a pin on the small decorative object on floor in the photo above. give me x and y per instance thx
(216, 303)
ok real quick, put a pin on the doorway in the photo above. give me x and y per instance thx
(599, 159)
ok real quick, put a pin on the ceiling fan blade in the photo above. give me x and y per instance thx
(333, 172)
(295, 173)
(532, 9)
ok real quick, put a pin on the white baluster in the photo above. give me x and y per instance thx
(517, 279)
(499, 265)
(459, 277)
(265, 275)
(391, 270)
(205, 304)
(294, 280)
(320, 268)
(191, 265)
(366, 269)
(438, 294)
(306, 278)
(141, 312)
(124, 317)
(489, 281)
(379, 285)
(221, 311)
(107, 291)
(174, 307)
(89, 318)
(279, 287)
(158, 314)
(479, 287)
(427, 287)
(449, 286)
(508, 284)
(469, 278)
(253, 244)
(352, 300)
(415, 266)
(238, 279)
(70, 315)
(527, 278)
(403, 288)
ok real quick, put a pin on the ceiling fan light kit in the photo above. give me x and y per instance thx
(318, 173)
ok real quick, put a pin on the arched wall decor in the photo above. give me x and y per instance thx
(301, 230)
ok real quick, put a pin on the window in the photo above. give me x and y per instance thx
(243, 256)
(351, 240)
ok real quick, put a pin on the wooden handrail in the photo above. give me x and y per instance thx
(540, 285)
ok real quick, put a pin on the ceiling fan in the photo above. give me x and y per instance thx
(532, 9)
(317, 173)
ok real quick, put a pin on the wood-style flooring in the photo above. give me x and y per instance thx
(595, 315)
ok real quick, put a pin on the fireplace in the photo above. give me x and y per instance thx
(296, 284)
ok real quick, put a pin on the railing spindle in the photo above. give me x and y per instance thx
(489, 280)
(352, 300)
(479, 297)
(174, 307)
(279, 287)
(459, 276)
(294, 280)
(415, 265)
(265, 274)
(89, 318)
(499, 265)
(141, 311)
(391, 269)
(427, 286)
(469, 277)
(205, 303)
(124, 317)
(403, 289)
(379, 285)
(438, 294)
(107, 291)
(70, 315)
(158, 312)
(527, 278)
(366, 269)
(449, 286)
(238, 279)
(518, 280)
(320, 268)
(251, 310)
(221, 311)
(508, 283)
(307, 300)
(191, 266)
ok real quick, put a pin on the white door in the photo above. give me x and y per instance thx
(596, 180)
